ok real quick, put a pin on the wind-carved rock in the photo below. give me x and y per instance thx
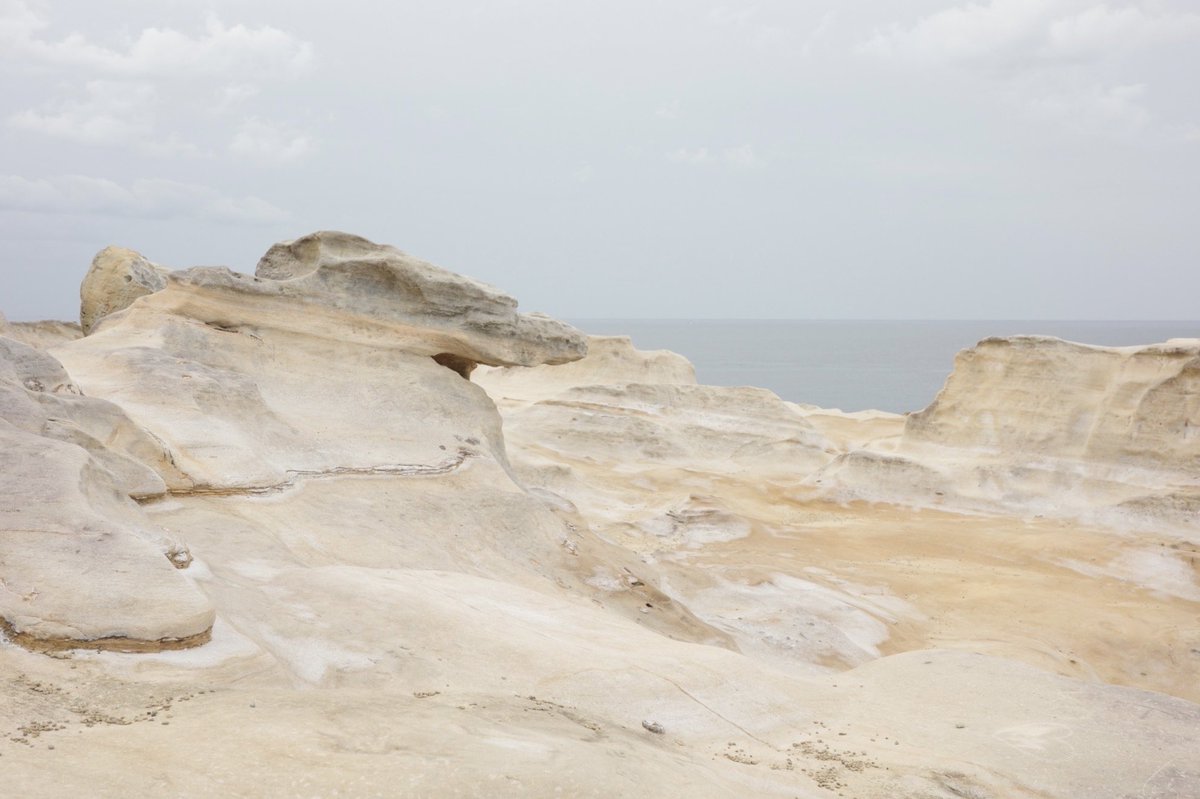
(118, 276)
(1111, 434)
(1043, 397)
(339, 354)
(80, 564)
(336, 284)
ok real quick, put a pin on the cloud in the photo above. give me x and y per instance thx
(1101, 29)
(743, 157)
(668, 111)
(235, 94)
(583, 173)
(269, 143)
(820, 32)
(110, 113)
(131, 86)
(146, 199)
(1115, 111)
(745, 21)
(685, 156)
(1023, 31)
(1043, 56)
(156, 52)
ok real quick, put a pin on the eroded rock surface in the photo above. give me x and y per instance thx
(80, 564)
(1050, 427)
(580, 579)
(118, 277)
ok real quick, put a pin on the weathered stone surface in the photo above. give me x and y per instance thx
(339, 273)
(610, 360)
(1042, 397)
(79, 562)
(402, 581)
(1044, 426)
(118, 277)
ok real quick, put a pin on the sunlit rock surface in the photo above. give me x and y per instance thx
(349, 570)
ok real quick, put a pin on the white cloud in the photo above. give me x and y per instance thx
(820, 32)
(156, 52)
(1100, 29)
(235, 94)
(1016, 31)
(149, 199)
(110, 113)
(746, 21)
(1043, 56)
(683, 155)
(133, 85)
(668, 111)
(583, 173)
(964, 32)
(1113, 111)
(269, 143)
(743, 157)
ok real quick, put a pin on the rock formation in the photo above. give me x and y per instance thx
(328, 563)
(79, 561)
(1051, 427)
(118, 277)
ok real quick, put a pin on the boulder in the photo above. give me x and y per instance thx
(118, 277)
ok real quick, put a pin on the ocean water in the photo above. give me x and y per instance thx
(853, 365)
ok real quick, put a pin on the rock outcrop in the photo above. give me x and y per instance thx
(341, 355)
(611, 360)
(118, 277)
(80, 564)
(1037, 397)
(577, 574)
(1043, 426)
(435, 311)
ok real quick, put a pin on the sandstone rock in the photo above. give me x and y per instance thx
(610, 360)
(43, 334)
(1043, 397)
(79, 562)
(1108, 435)
(397, 573)
(118, 277)
(342, 274)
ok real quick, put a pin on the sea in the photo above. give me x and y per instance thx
(853, 365)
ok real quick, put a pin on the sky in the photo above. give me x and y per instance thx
(891, 159)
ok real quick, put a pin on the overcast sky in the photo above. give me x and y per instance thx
(1029, 159)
